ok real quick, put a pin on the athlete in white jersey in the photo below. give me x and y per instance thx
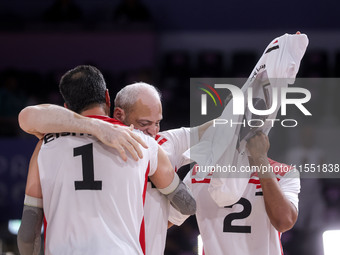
(91, 196)
(145, 114)
(125, 211)
(174, 142)
(140, 104)
(248, 226)
(138, 113)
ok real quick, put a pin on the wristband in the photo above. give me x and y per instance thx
(172, 186)
(33, 201)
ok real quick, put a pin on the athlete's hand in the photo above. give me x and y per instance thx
(121, 138)
(258, 146)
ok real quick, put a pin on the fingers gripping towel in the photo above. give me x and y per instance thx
(224, 145)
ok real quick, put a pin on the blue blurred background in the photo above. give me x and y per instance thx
(165, 43)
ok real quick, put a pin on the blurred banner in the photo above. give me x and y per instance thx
(15, 155)
(43, 51)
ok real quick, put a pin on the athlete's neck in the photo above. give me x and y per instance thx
(97, 110)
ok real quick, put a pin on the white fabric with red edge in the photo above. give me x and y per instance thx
(278, 65)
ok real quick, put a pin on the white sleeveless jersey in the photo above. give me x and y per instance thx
(174, 142)
(243, 228)
(93, 200)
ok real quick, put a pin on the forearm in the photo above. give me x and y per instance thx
(170, 185)
(42, 119)
(29, 235)
(280, 210)
(180, 197)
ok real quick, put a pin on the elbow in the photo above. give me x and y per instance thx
(27, 119)
(24, 117)
(282, 218)
(284, 224)
(283, 227)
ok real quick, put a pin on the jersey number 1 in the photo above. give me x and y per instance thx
(88, 182)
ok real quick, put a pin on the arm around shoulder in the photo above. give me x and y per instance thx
(46, 118)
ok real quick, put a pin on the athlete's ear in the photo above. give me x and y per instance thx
(65, 105)
(107, 99)
(119, 114)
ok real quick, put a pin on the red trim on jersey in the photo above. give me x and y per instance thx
(279, 168)
(142, 236)
(253, 174)
(162, 141)
(259, 186)
(194, 171)
(203, 181)
(142, 227)
(254, 181)
(107, 119)
(45, 227)
(280, 242)
(146, 181)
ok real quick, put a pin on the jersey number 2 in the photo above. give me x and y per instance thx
(227, 227)
(88, 182)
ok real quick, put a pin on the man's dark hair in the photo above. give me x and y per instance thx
(83, 87)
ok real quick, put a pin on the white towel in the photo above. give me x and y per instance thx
(224, 145)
